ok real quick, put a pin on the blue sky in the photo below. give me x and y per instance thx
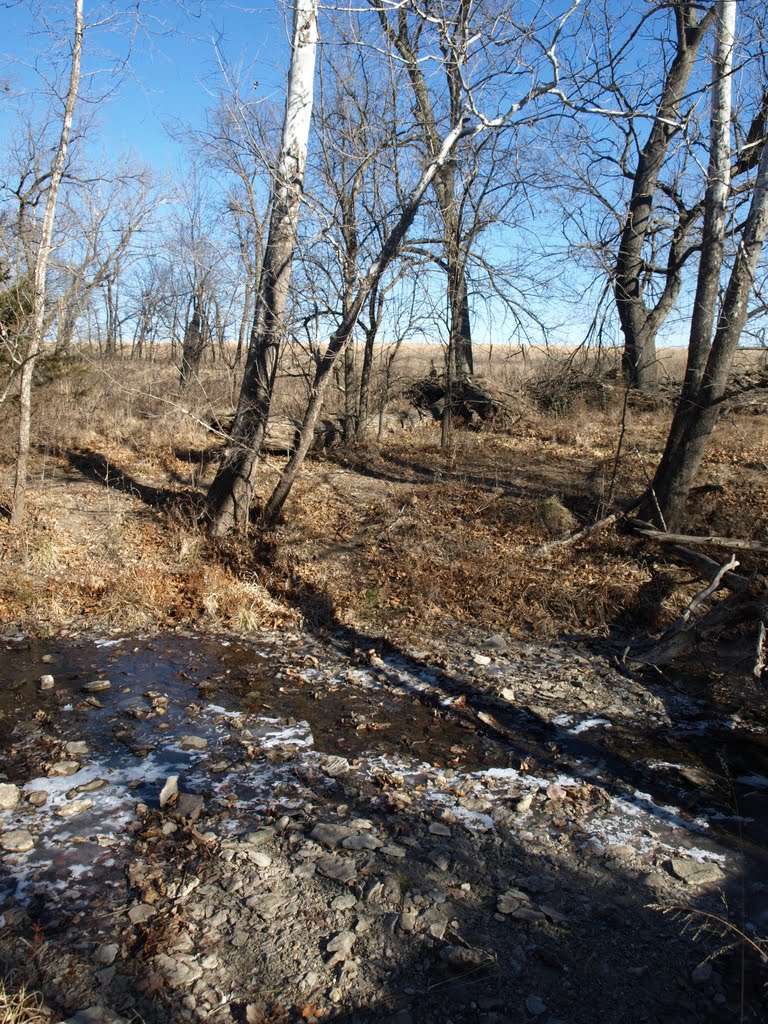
(172, 70)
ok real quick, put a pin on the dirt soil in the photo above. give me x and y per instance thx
(416, 781)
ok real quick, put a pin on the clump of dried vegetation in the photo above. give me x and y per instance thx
(393, 534)
(19, 1004)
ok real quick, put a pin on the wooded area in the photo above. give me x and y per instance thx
(420, 416)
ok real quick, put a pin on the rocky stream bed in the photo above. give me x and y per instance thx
(309, 828)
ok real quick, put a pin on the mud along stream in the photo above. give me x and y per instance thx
(517, 801)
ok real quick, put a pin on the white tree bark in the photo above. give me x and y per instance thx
(41, 269)
(231, 492)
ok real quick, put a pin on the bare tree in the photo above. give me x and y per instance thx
(231, 492)
(710, 357)
(41, 264)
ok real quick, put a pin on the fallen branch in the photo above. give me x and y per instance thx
(735, 543)
(709, 589)
(706, 566)
(544, 549)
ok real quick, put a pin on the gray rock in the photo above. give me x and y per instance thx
(178, 973)
(694, 872)
(345, 902)
(9, 796)
(497, 642)
(364, 842)
(340, 945)
(393, 852)
(106, 953)
(189, 807)
(141, 913)
(437, 828)
(439, 859)
(18, 840)
(330, 836)
(262, 836)
(76, 747)
(338, 869)
(702, 974)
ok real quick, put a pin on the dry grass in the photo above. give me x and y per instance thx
(400, 538)
(19, 1004)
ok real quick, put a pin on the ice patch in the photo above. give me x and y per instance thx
(590, 723)
(110, 643)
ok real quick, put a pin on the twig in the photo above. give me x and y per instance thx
(650, 487)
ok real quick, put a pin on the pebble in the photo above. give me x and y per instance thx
(193, 743)
(97, 686)
(37, 797)
(701, 975)
(63, 768)
(9, 796)
(481, 659)
(76, 747)
(345, 902)
(141, 913)
(18, 840)
(341, 946)
(74, 807)
(361, 843)
(46, 682)
(189, 807)
(106, 953)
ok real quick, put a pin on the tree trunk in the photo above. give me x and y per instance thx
(709, 362)
(41, 270)
(639, 322)
(231, 493)
(195, 338)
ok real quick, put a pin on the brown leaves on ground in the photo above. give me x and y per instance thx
(403, 539)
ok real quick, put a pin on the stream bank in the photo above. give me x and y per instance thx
(498, 832)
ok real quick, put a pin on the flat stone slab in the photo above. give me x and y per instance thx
(695, 872)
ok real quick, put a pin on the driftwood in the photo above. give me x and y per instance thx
(731, 543)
